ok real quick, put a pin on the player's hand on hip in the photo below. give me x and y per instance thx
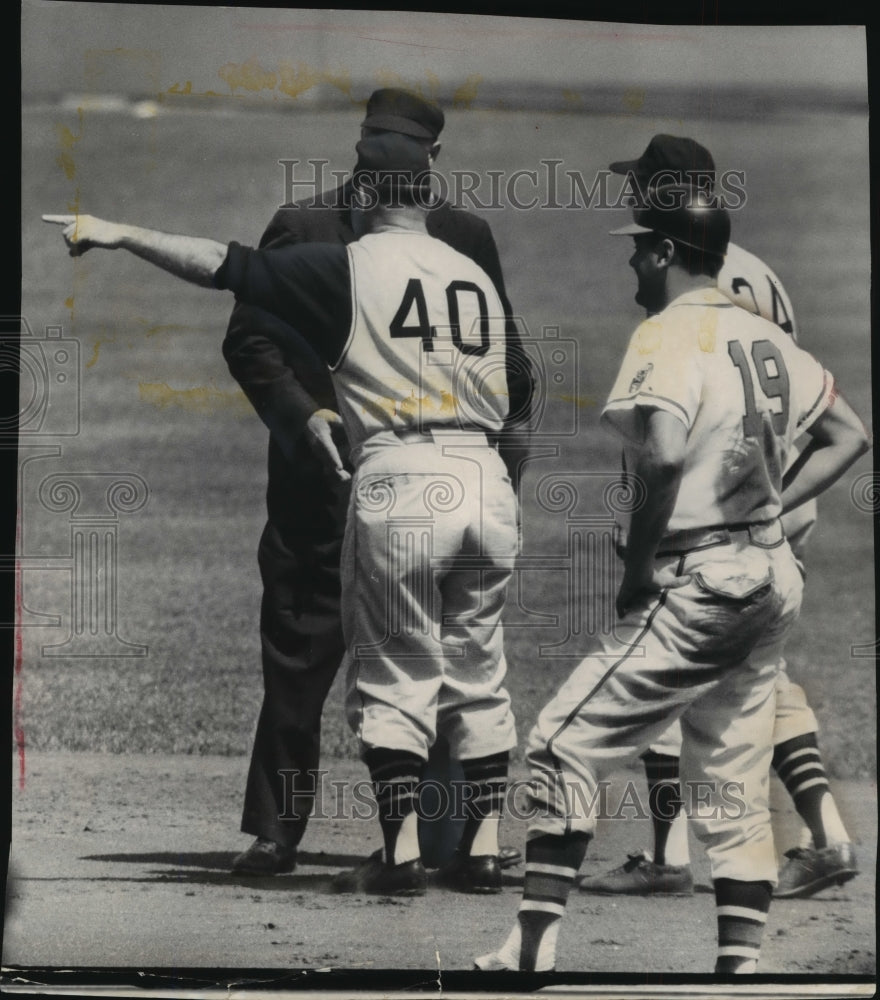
(82, 232)
(632, 591)
(640, 587)
(325, 435)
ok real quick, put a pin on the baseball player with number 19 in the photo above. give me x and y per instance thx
(708, 402)
(415, 336)
(825, 855)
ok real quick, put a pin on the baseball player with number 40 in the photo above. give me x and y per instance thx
(424, 368)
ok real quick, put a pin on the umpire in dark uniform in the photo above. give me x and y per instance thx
(299, 551)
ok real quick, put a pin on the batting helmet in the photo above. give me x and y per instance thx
(685, 214)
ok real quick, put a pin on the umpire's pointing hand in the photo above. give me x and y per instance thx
(82, 232)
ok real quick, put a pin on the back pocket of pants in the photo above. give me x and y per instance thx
(740, 587)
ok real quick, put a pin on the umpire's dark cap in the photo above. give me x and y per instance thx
(684, 213)
(391, 158)
(395, 110)
(684, 158)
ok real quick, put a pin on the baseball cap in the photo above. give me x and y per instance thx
(395, 110)
(684, 213)
(669, 154)
(390, 157)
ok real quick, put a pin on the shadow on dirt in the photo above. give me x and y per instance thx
(222, 860)
(213, 868)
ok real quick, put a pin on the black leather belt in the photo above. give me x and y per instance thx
(765, 534)
(447, 435)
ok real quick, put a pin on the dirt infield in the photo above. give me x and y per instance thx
(122, 861)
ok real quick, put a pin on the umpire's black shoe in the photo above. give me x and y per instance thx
(265, 857)
(376, 878)
(480, 874)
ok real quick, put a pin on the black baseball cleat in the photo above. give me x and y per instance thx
(265, 857)
(640, 876)
(480, 874)
(376, 878)
(808, 870)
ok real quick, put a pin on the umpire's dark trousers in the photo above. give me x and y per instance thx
(302, 650)
(301, 636)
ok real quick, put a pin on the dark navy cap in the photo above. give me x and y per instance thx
(681, 160)
(395, 110)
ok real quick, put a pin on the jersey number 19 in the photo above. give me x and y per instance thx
(773, 379)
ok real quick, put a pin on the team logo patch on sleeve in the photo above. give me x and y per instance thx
(640, 377)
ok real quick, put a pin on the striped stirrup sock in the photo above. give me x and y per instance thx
(552, 863)
(486, 779)
(665, 802)
(742, 909)
(799, 766)
(395, 775)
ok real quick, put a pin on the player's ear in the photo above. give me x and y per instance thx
(433, 153)
(665, 251)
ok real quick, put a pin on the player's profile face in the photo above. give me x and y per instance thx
(645, 261)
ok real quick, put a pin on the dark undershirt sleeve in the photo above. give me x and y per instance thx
(513, 442)
(285, 387)
(308, 286)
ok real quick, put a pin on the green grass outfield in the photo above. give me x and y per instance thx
(157, 401)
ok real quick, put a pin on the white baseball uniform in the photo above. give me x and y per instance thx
(706, 651)
(414, 334)
(747, 281)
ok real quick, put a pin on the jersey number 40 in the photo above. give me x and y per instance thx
(773, 379)
(414, 297)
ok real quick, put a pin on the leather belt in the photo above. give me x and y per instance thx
(765, 534)
(441, 435)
